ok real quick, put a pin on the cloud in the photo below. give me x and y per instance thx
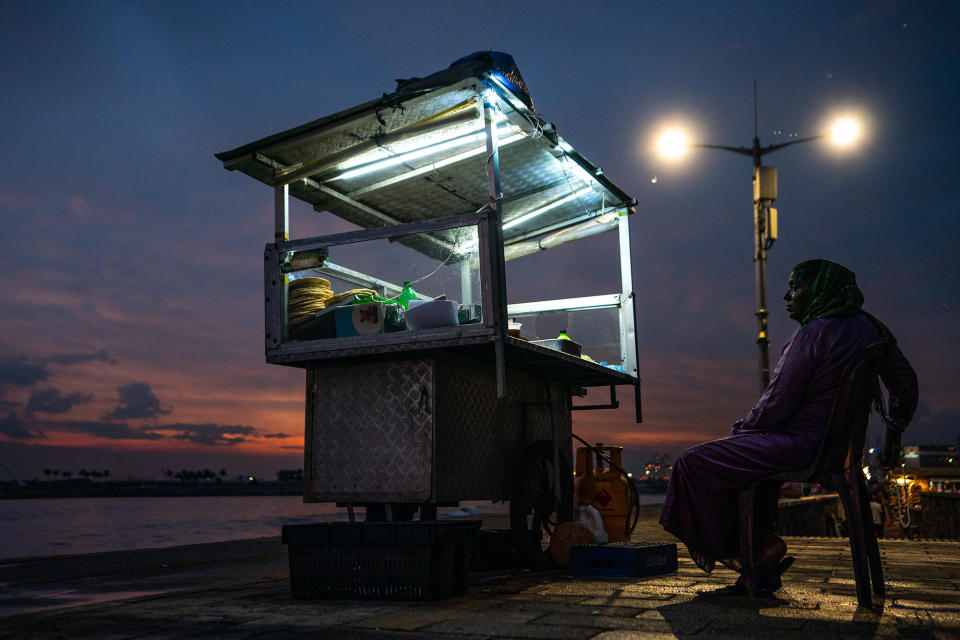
(14, 427)
(108, 430)
(209, 434)
(17, 371)
(53, 400)
(275, 435)
(78, 358)
(137, 401)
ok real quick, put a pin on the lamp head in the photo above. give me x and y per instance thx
(845, 131)
(672, 144)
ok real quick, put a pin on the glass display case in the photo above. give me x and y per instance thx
(442, 182)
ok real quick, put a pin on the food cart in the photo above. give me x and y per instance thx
(441, 182)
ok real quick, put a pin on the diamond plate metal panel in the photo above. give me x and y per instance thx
(370, 432)
(480, 439)
(424, 430)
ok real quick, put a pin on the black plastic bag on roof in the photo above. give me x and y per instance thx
(504, 68)
(498, 64)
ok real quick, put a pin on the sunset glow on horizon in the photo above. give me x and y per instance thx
(132, 330)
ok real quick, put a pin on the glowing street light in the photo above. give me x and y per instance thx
(845, 131)
(673, 144)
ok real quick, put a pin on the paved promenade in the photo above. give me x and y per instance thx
(240, 590)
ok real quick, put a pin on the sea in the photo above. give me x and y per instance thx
(65, 526)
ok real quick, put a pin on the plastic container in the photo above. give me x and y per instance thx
(591, 517)
(380, 560)
(426, 314)
(565, 346)
(359, 319)
(630, 559)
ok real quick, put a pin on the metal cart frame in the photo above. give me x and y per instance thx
(458, 410)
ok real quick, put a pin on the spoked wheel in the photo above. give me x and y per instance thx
(535, 510)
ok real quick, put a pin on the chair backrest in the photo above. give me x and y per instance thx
(846, 430)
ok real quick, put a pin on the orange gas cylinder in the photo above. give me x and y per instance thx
(601, 486)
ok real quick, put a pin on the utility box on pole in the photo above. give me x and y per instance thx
(765, 184)
(770, 229)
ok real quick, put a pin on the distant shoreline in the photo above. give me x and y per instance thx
(175, 488)
(145, 489)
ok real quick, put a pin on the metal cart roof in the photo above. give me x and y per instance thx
(419, 153)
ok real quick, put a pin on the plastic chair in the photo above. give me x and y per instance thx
(838, 467)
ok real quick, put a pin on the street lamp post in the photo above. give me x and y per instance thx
(673, 143)
(764, 233)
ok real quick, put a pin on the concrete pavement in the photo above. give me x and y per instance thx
(240, 590)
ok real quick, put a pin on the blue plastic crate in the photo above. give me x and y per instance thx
(627, 559)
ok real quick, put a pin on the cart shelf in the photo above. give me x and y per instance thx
(472, 340)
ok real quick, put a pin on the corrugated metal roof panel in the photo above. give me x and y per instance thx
(419, 153)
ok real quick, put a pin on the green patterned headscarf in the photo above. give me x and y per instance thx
(834, 292)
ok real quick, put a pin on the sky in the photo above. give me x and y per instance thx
(131, 328)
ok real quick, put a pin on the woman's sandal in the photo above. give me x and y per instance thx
(768, 580)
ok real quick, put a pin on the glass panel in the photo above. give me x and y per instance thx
(597, 331)
(418, 281)
(586, 268)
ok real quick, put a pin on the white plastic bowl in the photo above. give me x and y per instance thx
(426, 314)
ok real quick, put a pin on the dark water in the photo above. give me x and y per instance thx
(47, 527)
(58, 526)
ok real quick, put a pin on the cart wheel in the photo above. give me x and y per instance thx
(534, 511)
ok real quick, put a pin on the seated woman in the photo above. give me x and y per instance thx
(783, 431)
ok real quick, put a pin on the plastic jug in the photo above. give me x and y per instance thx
(591, 517)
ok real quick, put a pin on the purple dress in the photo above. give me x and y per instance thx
(782, 432)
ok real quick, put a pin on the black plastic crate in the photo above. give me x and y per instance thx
(380, 560)
(493, 550)
(633, 559)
